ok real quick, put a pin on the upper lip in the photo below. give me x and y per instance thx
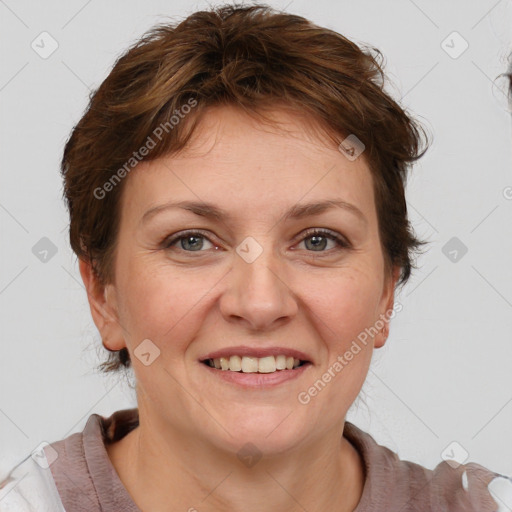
(244, 350)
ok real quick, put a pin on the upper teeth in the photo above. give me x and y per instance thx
(245, 364)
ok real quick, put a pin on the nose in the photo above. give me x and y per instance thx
(258, 293)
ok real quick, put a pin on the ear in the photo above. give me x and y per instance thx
(388, 300)
(104, 311)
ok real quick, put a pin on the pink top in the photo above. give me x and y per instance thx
(87, 481)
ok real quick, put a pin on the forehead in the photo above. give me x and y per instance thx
(235, 158)
(225, 127)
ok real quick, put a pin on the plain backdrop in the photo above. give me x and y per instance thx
(445, 373)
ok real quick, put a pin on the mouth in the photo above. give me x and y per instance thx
(256, 368)
(249, 364)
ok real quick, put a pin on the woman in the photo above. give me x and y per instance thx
(236, 196)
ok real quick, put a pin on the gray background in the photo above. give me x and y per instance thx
(445, 372)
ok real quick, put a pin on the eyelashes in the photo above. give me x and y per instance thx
(341, 243)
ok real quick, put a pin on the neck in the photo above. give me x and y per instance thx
(170, 469)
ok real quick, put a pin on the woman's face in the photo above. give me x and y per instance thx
(252, 279)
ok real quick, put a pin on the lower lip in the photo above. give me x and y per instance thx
(257, 380)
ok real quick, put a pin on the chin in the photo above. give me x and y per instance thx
(270, 431)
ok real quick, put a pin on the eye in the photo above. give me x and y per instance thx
(319, 239)
(191, 241)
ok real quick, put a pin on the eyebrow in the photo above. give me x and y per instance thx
(298, 211)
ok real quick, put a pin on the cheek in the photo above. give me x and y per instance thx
(344, 306)
(160, 305)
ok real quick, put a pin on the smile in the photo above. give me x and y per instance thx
(245, 364)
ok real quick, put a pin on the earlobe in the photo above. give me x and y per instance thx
(95, 292)
(382, 335)
(103, 306)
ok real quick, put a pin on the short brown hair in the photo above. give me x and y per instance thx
(252, 57)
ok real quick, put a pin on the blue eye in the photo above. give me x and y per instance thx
(185, 238)
(325, 235)
(193, 240)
